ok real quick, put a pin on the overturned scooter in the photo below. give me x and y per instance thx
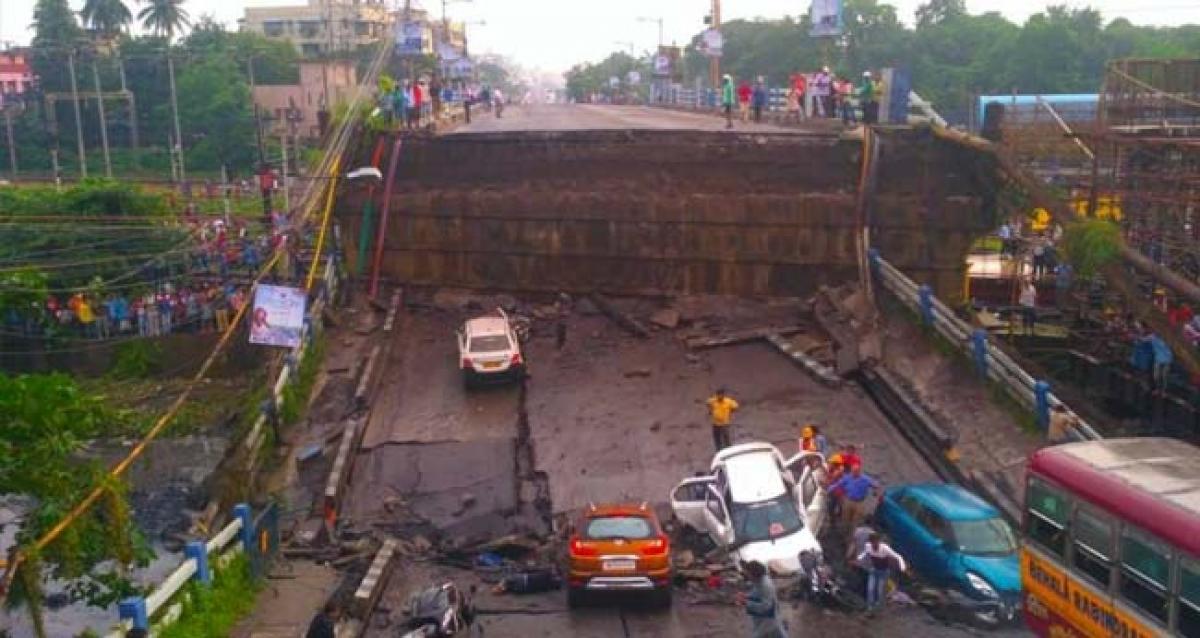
(817, 583)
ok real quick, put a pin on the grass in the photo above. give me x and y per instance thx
(296, 395)
(212, 612)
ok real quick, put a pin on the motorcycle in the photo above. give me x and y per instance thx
(817, 583)
(440, 611)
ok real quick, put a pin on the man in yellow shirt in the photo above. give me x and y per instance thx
(721, 408)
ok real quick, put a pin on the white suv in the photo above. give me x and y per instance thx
(757, 506)
(489, 350)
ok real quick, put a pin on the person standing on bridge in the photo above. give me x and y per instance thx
(744, 92)
(758, 99)
(879, 558)
(869, 99)
(1028, 302)
(727, 97)
(720, 409)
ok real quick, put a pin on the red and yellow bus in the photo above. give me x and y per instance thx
(1111, 541)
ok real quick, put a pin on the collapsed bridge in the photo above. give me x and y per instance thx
(669, 211)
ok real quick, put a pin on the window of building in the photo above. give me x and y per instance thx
(1145, 573)
(1046, 519)
(273, 28)
(310, 49)
(1093, 551)
(1189, 599)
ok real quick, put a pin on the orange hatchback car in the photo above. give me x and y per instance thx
(619, 548)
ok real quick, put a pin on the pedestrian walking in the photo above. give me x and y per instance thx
(1028, 302)
(762, 603)
(879, 559)
(720, 409)
(727, 99)
(324, 624)
(856, 488)
(744, 92)
(758, 99)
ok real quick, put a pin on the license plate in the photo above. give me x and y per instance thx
(488, 365)
(619, 565)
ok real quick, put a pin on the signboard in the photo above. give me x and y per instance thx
(666, 63)
(448, 52)
(634, 77)
(662, 65)
(712, 43)
(826, 18)
(278, 316)
(410, 38)
(614, 81)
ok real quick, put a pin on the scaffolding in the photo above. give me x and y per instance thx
(1148, 142)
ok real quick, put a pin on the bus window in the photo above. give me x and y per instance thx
(1189, 599)
(1046, 521)
(1145, 572)
(1093, 546)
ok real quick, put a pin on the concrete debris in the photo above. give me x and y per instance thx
(507, 302)
(627, 323)
(667, 318)
(656, 426)
(637, 373)
(692, 358)
(545, 313)
(421, 544)
(701, 342)
(685, 559)
(585, 307)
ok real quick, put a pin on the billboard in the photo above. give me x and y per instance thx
(712, 43)
(826, 18)
(278, 316)
(410, 38)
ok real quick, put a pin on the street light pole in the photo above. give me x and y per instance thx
(714, 62)
(78, 116)
(659, 21)
(175, 114)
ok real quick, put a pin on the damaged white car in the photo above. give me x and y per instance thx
(757, 506)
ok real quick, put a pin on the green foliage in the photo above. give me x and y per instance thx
(1091, 244)
(585, 79)
(107, 17)
(211, 612)
(164, 17)
(44, 422)
(99, 197)
(137, 360)
(951, 54)
(55, 30)
(296, 395)
(217, 108)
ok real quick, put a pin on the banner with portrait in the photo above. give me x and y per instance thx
(826, 18)
(277, 318)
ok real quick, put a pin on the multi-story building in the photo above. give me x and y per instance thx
(322, 27)
(16, 75)
(293, 108)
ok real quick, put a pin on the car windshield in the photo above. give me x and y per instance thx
(987, 537)
(630, 527)
(765, 520)
(489, 343)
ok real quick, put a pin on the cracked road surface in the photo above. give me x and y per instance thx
(610, 417)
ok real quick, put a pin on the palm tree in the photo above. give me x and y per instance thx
(106, 17)
(164, 17)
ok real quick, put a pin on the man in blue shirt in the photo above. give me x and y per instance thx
(855, 487)
(1162, 357)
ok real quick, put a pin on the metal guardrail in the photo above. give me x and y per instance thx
(990, 361)
(258, 537)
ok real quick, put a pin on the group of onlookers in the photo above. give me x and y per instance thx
(816, 95)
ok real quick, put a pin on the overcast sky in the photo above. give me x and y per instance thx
(555, 34)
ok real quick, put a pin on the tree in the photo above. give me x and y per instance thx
(165, 18)
(108, 18)
(936, 12)
(56, 33)
(214, 102)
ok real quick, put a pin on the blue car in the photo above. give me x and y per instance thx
(955, 540)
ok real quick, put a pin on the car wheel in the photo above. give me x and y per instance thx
(575, 597)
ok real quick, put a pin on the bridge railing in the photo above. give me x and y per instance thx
(255, 536)
(991, 362)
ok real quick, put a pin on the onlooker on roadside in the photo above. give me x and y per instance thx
(868, 98)
(324, 624)
(879, 558)
(856, 488)
(1008, 245)
(822, 84)
(744, 92)
(1027, 300)
(844, 92)
(758, 100)
(1163, 357)
(799, 87)
(1064, 278)
(811, 440)
(727, 98)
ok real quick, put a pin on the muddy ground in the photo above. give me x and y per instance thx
(609, 417)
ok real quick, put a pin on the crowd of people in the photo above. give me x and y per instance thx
(823, 94)
(412, 105)
(197, 293)
(852, 494)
